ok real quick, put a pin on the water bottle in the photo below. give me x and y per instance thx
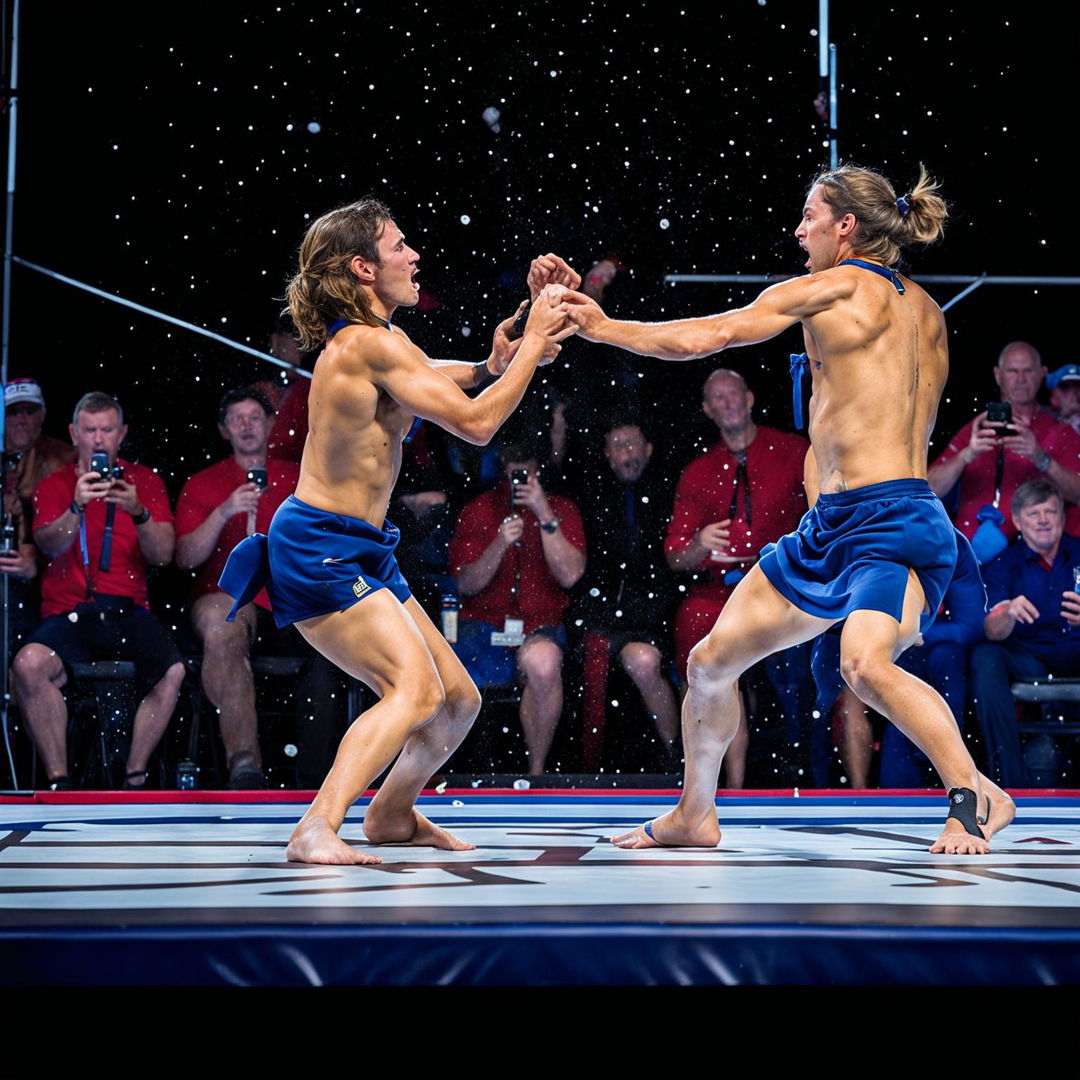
(449, 616)
(186, 775)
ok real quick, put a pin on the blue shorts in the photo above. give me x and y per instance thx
(853, 549)
(322, 562)
(313, 562)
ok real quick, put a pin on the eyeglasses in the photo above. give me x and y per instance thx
(26, 409)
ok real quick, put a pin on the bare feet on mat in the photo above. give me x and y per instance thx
(955, 839)
(415, 830)
(670, 831)
(313, 841)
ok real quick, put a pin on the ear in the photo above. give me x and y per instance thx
(73, 433)
(749, 399)
(847, 224)
(362, 269)
(648, 450)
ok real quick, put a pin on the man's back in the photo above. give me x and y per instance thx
(883, 360)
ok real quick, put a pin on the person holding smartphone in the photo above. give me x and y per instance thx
(516, 553)
(1009, 442)
(100, 522)
(217, 508)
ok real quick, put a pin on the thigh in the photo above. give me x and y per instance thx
(757, 621)
(878, 635)
(375, 640)
(455, 678)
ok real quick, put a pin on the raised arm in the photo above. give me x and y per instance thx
(777, 308)
(401, 369)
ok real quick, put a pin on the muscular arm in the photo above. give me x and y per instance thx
(777, 308)
(400, 368)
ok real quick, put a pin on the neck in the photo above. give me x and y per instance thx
(250, 461)
(1026, 410)
(1048, 555)
(737, 439)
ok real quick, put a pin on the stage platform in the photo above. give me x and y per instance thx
(191, 889)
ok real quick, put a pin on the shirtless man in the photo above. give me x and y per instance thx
(330, 550)
(877, 549)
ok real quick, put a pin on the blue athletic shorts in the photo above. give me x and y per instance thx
(313, 562)
(853, 549)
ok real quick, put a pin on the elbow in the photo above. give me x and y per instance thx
(478, 432)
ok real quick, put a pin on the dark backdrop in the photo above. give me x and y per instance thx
(174, 154)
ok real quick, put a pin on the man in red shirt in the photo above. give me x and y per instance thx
(990, 461)
(516, 553)
(744, 492)
(99, 529)
(217, 508)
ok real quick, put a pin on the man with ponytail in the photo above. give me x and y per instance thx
(876, 551)
(328, 561)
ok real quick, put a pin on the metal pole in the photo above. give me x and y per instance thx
(833, 150)
(5, 331)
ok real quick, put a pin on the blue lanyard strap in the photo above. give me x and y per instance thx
(800, 364)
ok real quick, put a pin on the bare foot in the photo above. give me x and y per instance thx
(671, 833)
(956, 840)
(415, 830)
(1002, 808)
(313, 841)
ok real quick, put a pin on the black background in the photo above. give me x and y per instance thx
(164, 155)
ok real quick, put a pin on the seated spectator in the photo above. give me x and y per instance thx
(29, 456)
(516, 553)
(627, 591)
(218, 507)
(99, 527)
(1064, 387)
(990, 461)
(1033, 626)
(290, 427)
(743, 493)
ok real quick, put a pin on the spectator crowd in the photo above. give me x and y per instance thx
(572, 566)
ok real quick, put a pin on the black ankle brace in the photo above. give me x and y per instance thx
(964, 806)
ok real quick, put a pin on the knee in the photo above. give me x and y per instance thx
(33, 666)
(861, 670)
(429, 699)
(463, 703)
(641, 661)
(225, 641)
(169, 683)
(542, 663)
(707, 663)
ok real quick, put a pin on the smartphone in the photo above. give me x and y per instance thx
(99, 463)
(517, 476)
(258, 476)
(999, 415)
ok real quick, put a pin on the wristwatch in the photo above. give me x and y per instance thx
(143, 518)
(1043, 461)
(550, 526)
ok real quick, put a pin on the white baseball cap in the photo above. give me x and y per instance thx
(23, 391)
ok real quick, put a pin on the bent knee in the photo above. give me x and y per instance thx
(640, 661)
(35, 664)
(541, 661)
(862, 670)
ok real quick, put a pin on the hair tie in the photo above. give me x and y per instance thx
(902, 205)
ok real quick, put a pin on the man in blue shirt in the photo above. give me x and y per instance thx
(1033, 626)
